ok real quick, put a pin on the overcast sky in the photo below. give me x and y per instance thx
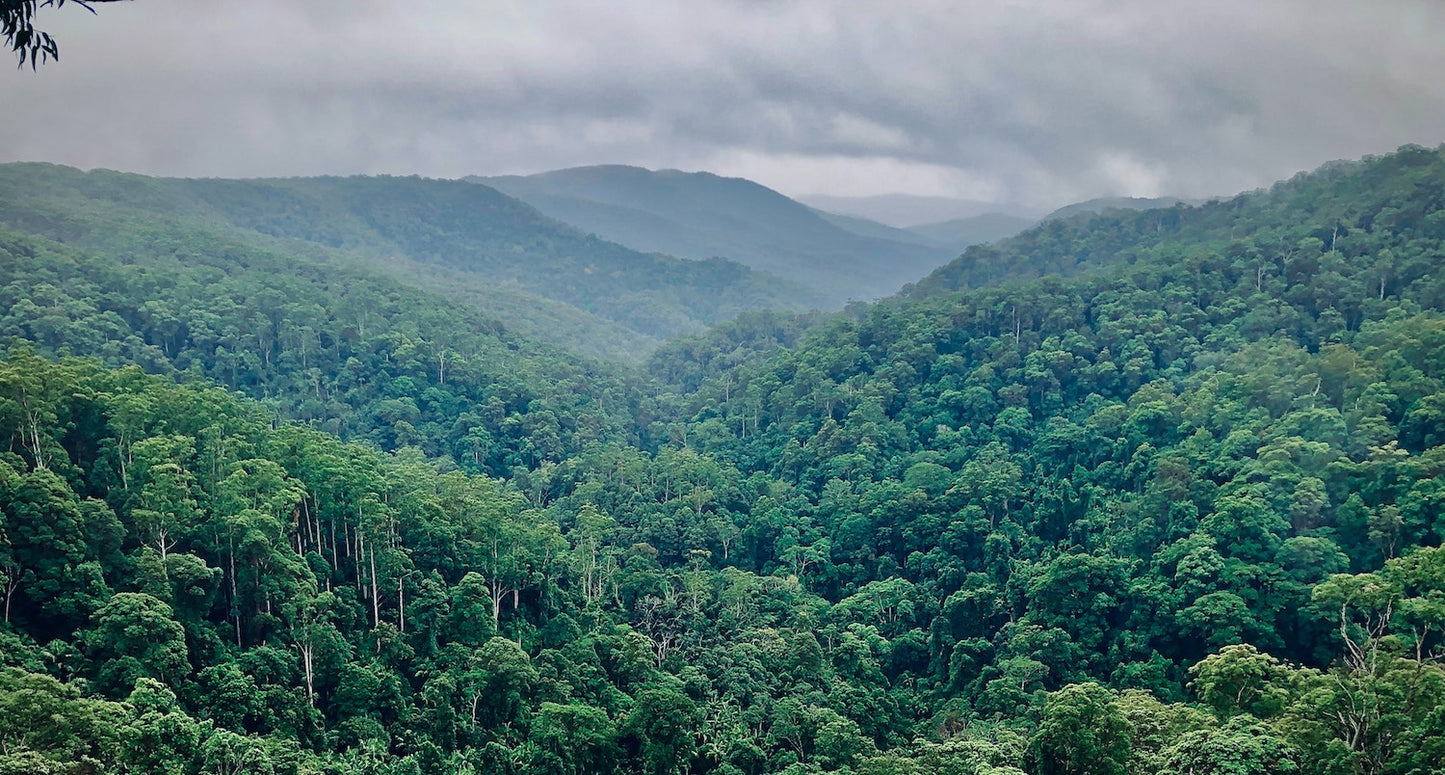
(1035, 103)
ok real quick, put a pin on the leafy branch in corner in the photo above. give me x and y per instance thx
(17, 22)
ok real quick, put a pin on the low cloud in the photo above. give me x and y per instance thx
(1031, 103)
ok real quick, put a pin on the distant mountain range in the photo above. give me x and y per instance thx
(474, 244)
(842, 248)
(606, 260)
(961, 233)
(700, 215)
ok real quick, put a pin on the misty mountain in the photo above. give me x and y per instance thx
(960, 233)
(1332, 209)
(870, 228)
(950, 236)
(700, 215)
(470, 242)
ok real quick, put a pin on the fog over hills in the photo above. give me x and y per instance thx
(907, 210)
(701, 215)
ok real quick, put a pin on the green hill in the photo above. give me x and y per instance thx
(901, 210)
(356, 354)
(700, 215)
(1166, 462)
(1279, 231)
(469, 241)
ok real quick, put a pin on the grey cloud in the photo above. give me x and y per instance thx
(1026, 102)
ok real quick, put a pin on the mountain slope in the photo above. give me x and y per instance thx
(867, 228)
(1283, 230)
(467, 239)
(351, 352)
(700, 215)
(1053, 459)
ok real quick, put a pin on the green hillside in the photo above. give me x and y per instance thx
(700, 215)
(358, 355)
(474, 243)
(867, 228)
(1339, 211)
(1164, 492)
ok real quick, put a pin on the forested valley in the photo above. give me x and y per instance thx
(1131, 493)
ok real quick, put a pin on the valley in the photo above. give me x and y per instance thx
(400, 475)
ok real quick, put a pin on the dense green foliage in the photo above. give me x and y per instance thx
(357, 355)
(1181, 512)
(1108, 203)
(1386, 212)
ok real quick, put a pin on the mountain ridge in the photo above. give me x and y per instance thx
(469, 233)
(701, 215)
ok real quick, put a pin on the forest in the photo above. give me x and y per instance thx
(475, 246)
(1153, 492)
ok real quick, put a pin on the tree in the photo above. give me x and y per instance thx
(33, 396)
(499, 679)
(168, 507)
(50, 728)
(1240, 679)
(227, 753)
(1083, 733)
(580, 736)
(663, 722)
(319, 645)
(1243, 747)
(136, 636)
(42, 540)
(17, 24)
(158, 737)
(1382, 699)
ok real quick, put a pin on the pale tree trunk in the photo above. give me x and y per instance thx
(497, 592)
(308, 653)
(375, 597)
(34, 421)
(12, 585)
(234, 606)
(164, 544)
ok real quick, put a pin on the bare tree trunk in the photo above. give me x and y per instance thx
(375, 598)
(307, 653)
(234, 606)
(12, 583)
(35, 440)
(497, 593)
